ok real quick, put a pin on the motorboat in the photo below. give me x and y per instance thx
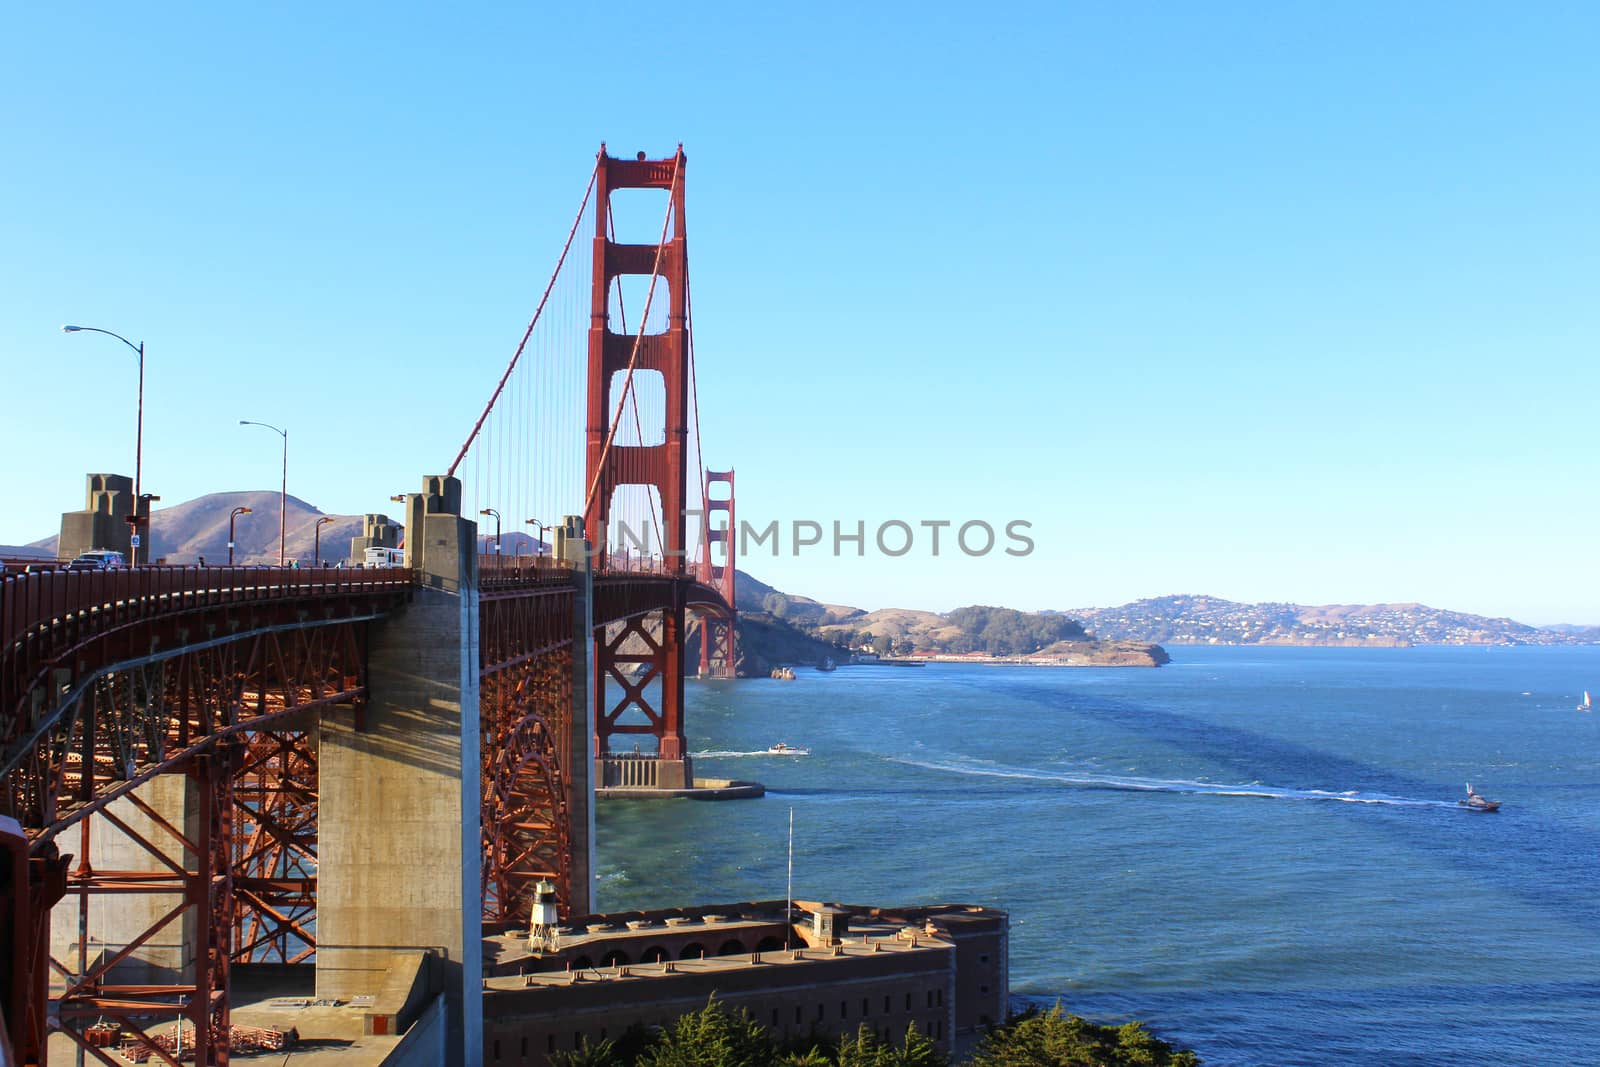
(781, 749)
(1474, 802)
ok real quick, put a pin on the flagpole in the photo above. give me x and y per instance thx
(788, 904)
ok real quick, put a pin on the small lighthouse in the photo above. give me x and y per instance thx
(543, 930)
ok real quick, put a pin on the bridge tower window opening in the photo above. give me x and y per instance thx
(636, 539)
(644, 414)
(636, 214)
(626, 300)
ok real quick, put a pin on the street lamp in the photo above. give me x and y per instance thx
(138, 436)
(283, 495)
(316, 538)
(234, 514)
(496, 514)
(542, 528)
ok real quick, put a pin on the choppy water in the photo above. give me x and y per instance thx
(1258, 851)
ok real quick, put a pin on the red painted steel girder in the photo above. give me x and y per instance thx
(202, 711)
(624, 596)
(525, 703)
(275, 849)
(60, 629)
(92, 992)
(527, 802)
(127, 725)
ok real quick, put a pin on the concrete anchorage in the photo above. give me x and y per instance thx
(105, 521)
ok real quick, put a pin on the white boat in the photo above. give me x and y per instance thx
(781, 749)
(1587, 705)
(1474, 802)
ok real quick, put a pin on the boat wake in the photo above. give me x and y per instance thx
(732, 755)
(1134, 784)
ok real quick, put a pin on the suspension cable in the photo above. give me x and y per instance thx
(560, 261)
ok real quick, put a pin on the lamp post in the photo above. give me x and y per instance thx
(283, 495)
(496, 514)
(140, 553)
(316, 538)
(234, 514)
(542, 529)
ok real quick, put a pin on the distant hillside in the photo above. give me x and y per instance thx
(1181, 620)
(757, 596)
(978, 631)
(185, 532)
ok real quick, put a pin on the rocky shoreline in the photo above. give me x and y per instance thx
(1079, 654)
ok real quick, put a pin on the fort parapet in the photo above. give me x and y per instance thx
(834, 969)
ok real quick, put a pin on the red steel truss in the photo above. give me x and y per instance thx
(112, 682)
(275, 849)
(525, 704)
(719, 641)
(194, 874)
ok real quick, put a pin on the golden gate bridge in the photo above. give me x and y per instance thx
(209, 766)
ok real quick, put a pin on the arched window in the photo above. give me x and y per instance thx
(615, 958)
(653, 954)
(694, 950)
(731, 948)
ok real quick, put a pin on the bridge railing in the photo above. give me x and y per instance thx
(631, 563)
(498, 572)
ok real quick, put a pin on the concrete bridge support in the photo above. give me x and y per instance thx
(572, 547)
(135, 844)
(399, 858)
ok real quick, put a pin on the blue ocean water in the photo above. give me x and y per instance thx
(1255, 850)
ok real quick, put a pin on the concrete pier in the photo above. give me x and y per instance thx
(399, 840)
(112, 921)
(580, 782)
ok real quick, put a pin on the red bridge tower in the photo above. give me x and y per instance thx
(659, 655)
(719, 644)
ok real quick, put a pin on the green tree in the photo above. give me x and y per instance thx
(586, 1055)
(1051, 1039)
(865, 1050)
(815, 1056)
(712, 1037)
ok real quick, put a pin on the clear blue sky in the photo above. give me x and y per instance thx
(1270, 301)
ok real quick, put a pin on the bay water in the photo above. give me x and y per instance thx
(1257, 851)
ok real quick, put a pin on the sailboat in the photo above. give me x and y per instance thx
(1587, 704)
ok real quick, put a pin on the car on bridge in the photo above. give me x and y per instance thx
(101, 559)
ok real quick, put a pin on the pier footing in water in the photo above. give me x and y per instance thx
(703, 789)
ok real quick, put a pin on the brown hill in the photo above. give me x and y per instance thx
(185, 532)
